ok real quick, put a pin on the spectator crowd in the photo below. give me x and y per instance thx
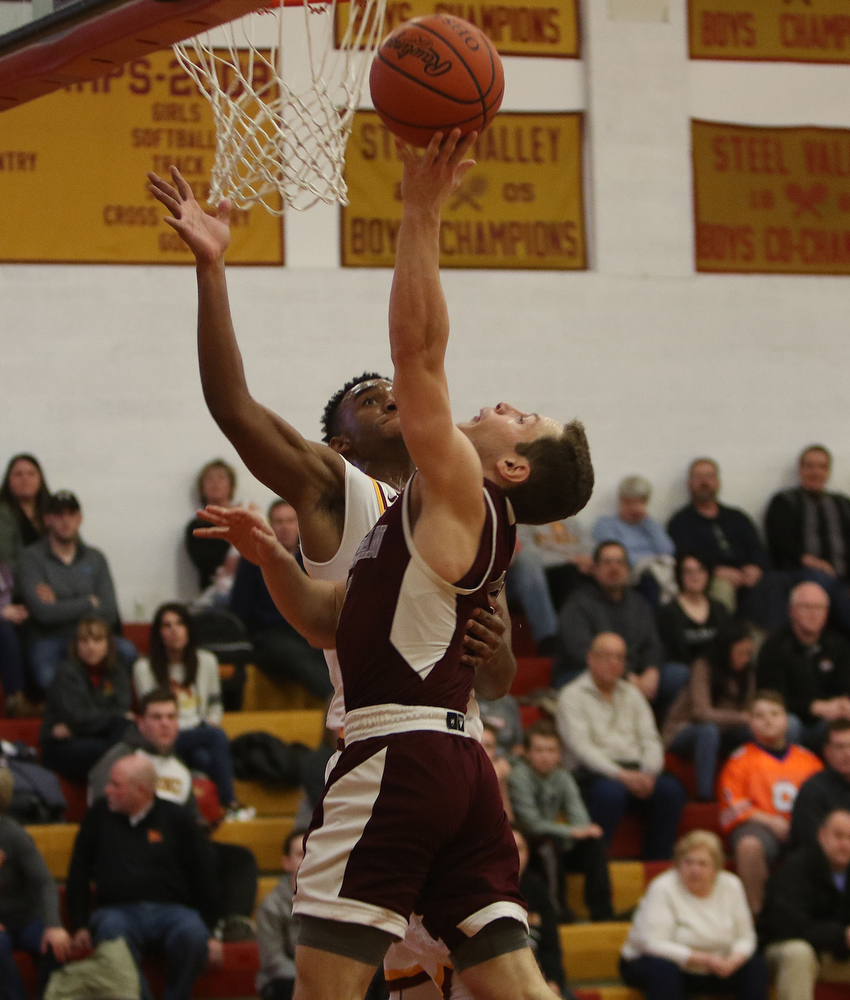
(692, 656)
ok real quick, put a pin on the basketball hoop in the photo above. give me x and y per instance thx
(282, 142)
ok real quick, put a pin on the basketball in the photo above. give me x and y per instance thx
(434, 74)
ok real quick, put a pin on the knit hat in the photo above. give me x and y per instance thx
(7, 783)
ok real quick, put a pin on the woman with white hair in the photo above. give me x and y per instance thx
(693, 932)
(643, 537)
(29, 903)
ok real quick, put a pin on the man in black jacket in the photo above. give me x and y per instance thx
(809, 665)
(152, 871)
(825, 791)
(806, 915)
(808, 531)
(726, 539)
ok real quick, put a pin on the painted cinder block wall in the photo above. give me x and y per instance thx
(99, 372)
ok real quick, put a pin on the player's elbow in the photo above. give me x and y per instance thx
(321, 638)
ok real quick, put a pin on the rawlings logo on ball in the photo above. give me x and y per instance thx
(434, 74)
(422, 51)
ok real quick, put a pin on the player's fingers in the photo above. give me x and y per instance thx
(181, 183)
(471, 661)
(466, 144)
(449, 146)
(210, 532)
(462, 169)
(218, 515)
(479, 632)
(433, 149)
(159, 184)
(167, 197)
(490, 620)
(476, 646)
(222, 211)
(403, 150)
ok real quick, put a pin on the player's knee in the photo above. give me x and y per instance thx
(357, 941)
(749, 849)
(500, 937)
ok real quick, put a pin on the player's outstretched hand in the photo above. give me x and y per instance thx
(207, 236)
(434, 174)
(246, 529)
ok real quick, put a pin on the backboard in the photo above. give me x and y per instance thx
(49, 44)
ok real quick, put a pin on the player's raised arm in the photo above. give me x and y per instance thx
(296, 469)
(450, 471)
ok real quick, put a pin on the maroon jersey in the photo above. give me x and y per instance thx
(400, 633)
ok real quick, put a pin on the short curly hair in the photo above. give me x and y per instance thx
(330, 425)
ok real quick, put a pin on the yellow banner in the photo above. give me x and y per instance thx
(73, 166)
(787, 30)
(516, 27)
(520, 207)
(771, 200)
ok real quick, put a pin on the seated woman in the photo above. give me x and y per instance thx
(688, 624)
(216, 484)
(88, 703)
(710, 719)
(23, 499)
(29, 904)
(175, 663)
(693, 932)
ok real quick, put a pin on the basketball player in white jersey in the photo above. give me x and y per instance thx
(338, 488)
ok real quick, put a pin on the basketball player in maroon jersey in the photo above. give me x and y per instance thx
(411, 819)
(336, 505)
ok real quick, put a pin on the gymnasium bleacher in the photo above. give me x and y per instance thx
(590, 950)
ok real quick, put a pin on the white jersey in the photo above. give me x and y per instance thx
(173, 778)
(365, 501)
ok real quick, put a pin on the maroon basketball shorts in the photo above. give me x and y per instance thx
(412, 822)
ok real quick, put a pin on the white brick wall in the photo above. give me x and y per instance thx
(98, 363)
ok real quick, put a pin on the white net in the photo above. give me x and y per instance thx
(281, 141)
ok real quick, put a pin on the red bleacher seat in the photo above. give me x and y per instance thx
(25, 730)
(522, 641)
(235, 978)
(653, 868)
(26, 967)
(684, 771)
(75, 796)
(695, 816)
(533, 673)
(700, 816)
(529, 715)
(139, 633)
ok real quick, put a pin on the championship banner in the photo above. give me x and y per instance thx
(516, 27)
(73, 168)
(520, 207)
(783, 30)
(771, 200)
